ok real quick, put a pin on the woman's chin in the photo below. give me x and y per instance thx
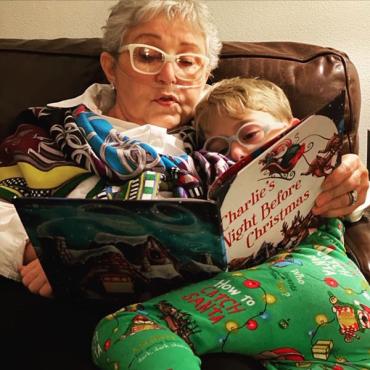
(166, 121)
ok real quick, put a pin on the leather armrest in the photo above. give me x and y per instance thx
(357, 241)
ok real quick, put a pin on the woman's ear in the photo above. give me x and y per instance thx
(108, 63)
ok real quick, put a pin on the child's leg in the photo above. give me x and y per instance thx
(316, 311)
(307, 307)
(128, 339)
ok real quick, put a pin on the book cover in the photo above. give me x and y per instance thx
(107, 249)
(266, 202)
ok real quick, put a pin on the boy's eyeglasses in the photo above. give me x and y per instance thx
(251, 136)
(149, 60)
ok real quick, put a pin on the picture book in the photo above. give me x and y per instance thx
(109, 249)
(92, 248)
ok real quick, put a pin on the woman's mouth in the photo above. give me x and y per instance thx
(167, 100)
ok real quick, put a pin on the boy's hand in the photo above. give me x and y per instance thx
(350, 175)
(34, 278)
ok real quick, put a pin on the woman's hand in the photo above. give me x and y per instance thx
(33, 275)
(334, 200)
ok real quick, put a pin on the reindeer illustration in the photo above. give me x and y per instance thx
(322, 165)
(297, 230)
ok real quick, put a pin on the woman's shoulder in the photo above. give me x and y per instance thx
(97, 97)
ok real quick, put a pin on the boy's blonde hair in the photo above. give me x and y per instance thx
(233, 96)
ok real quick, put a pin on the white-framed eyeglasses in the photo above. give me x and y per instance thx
(149, 60)
(251, 135)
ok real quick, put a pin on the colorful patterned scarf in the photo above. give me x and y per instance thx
(54, 150)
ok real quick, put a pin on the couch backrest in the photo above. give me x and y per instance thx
(35, 72)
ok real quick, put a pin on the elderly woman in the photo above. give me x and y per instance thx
(157, 57)
(158, 70)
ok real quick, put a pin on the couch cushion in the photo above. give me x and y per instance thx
(36, 72)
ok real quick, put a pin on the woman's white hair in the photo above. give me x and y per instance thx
(129, 13)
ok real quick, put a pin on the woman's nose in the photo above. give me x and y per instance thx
(167, 73)
(237, 151)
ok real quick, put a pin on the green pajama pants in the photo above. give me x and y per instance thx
(306, 308)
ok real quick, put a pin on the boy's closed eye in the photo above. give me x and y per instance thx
(251, 134)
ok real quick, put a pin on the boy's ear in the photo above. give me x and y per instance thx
(108, 63)
(294, 121)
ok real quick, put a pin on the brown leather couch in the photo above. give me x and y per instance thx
(35, 72)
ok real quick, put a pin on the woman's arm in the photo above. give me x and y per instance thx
(18, 259)
(334, 200)
(13, 239)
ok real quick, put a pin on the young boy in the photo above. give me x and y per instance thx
(312, 311)
(240, 115)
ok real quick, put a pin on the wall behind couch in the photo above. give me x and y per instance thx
(339, 24)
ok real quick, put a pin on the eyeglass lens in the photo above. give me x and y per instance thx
(151, 60)
(249, 135)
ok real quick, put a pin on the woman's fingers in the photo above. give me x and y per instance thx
(335, 201)
(34, 278)
(37, 283)
(28, 273)
(46, 290)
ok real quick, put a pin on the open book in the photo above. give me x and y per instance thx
(99, 248)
